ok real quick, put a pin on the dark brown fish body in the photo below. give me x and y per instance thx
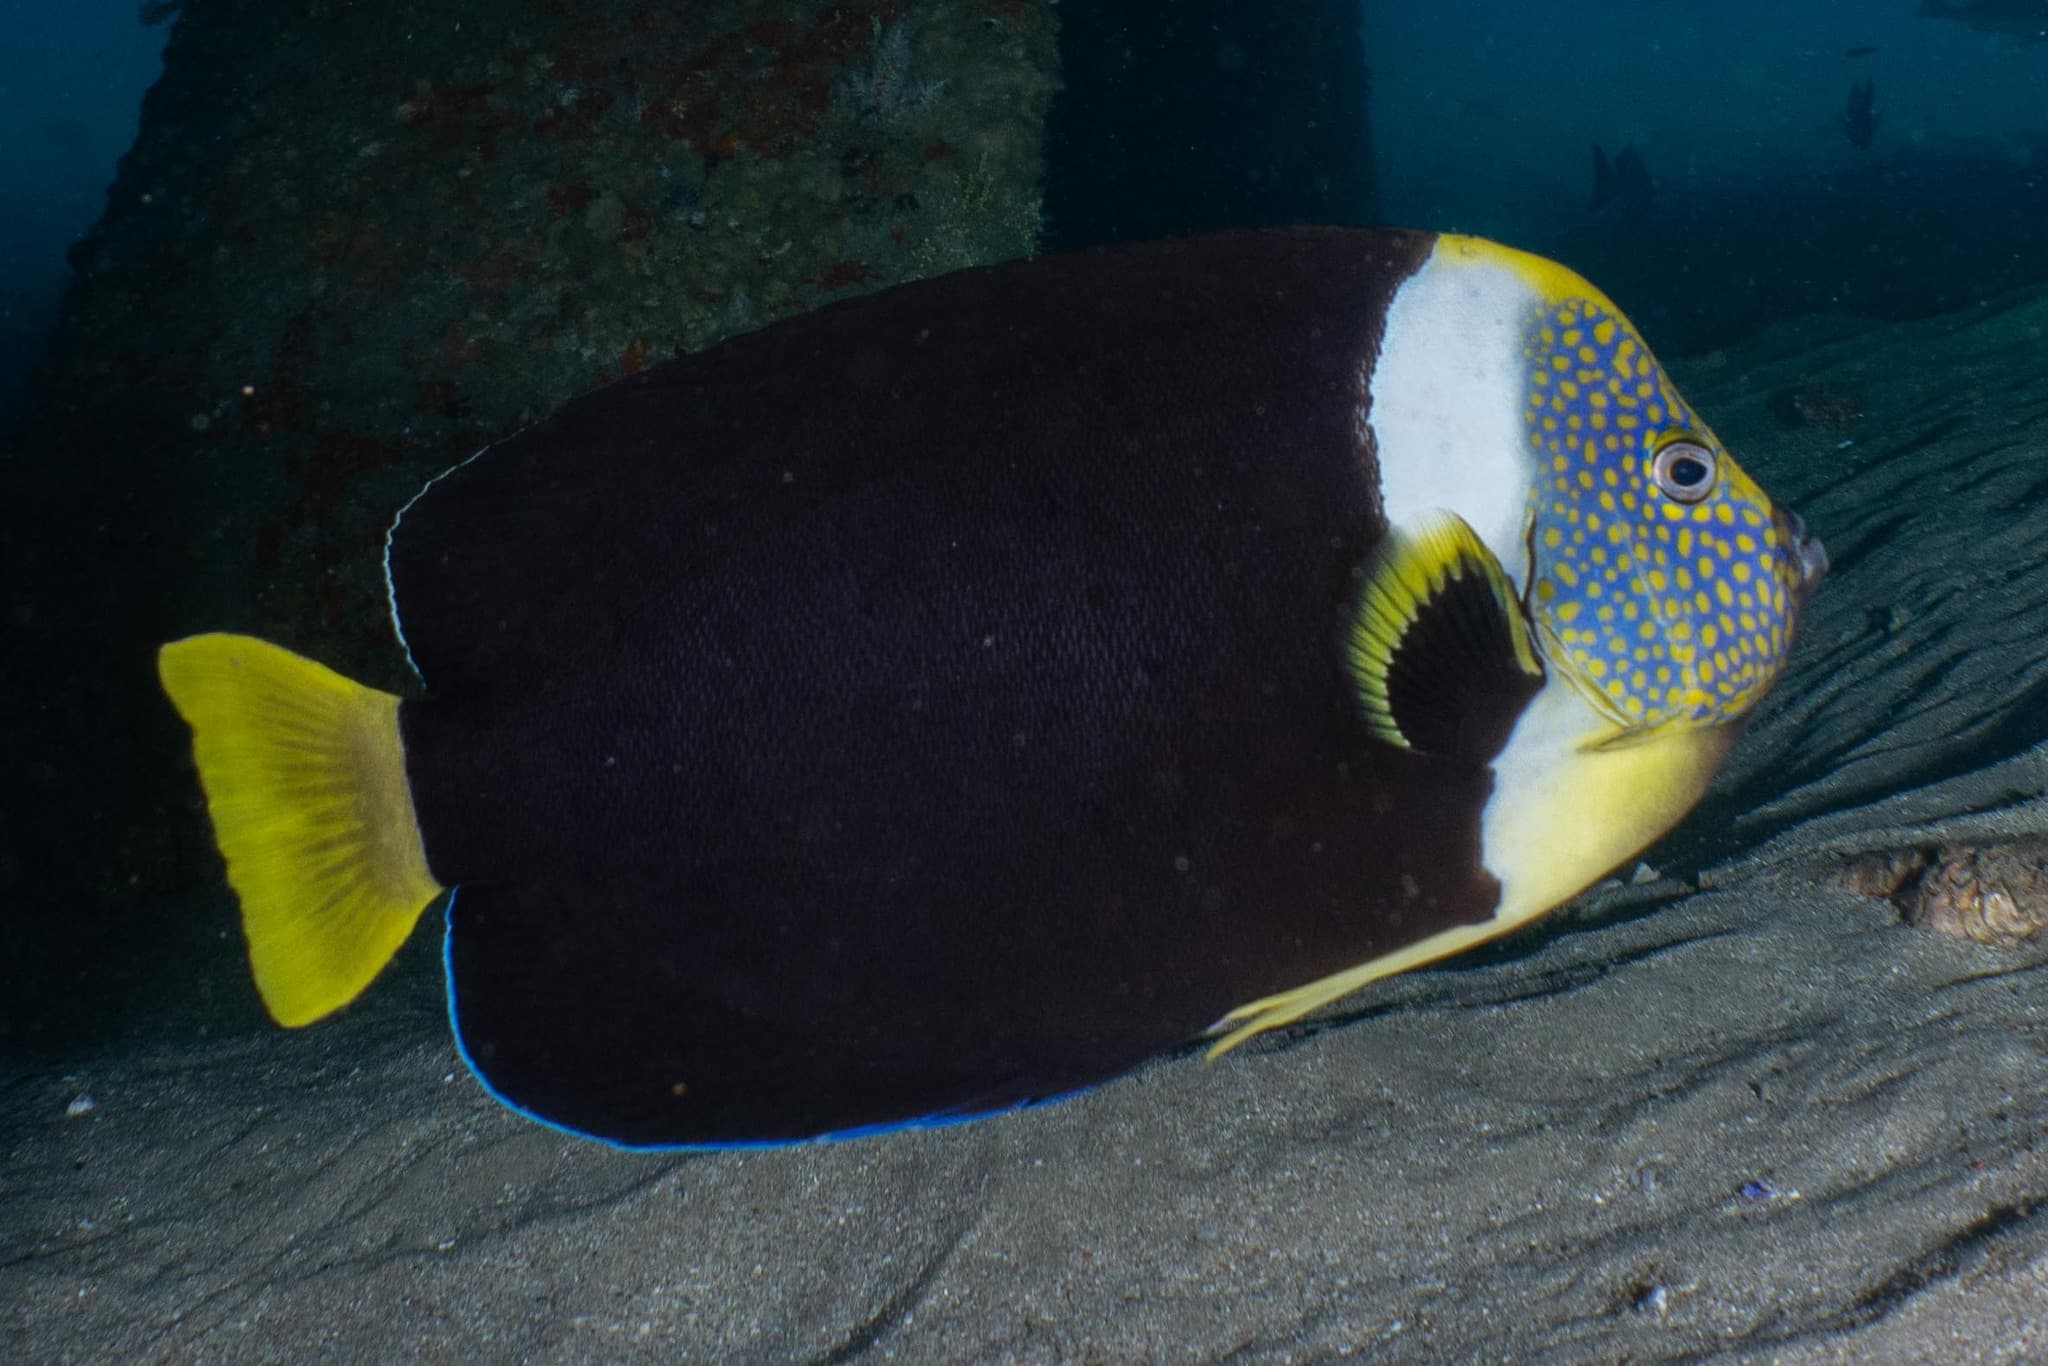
(948, 699)
(966, 691)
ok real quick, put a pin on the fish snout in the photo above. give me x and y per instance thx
(1808, 554)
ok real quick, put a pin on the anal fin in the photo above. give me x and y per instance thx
(1284, 1008)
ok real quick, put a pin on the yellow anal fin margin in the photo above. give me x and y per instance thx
(1271, 1012)
(304, 773)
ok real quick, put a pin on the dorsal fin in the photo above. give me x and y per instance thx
(1438, 646)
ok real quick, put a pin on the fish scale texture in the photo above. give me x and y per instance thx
(933, 702)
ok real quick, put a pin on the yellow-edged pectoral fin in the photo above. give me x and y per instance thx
(1439, 650)
(304, 773)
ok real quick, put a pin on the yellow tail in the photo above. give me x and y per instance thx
(305, 780)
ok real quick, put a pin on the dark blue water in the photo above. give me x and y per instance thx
(72, 75)
(1483, 114)
(1764, 203)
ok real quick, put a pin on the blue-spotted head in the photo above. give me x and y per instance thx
(1663, 582)
(1659, 585)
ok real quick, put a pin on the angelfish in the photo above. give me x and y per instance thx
(946, 700)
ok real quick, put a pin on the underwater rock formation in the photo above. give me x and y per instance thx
(1996, 894)
(354, 242)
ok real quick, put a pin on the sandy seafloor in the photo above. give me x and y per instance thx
(1741, 1113)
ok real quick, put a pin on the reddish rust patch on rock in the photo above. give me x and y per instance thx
(438, 398)
(844, 273)
(500, 270)
(457, 346)
(274, 406)
(568, 197)
(336, 461)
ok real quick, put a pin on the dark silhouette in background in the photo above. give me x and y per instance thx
(1622, 188)
(1859, 120)
(2023, 21)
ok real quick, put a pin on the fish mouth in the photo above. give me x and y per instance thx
(1808, 554)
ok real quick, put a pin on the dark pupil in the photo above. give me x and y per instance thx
(1687, 472)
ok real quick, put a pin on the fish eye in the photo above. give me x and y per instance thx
(1685, 471)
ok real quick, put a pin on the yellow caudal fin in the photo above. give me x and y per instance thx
(305, 780)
